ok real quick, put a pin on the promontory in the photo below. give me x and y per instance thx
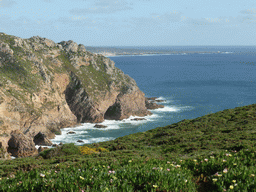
(45, 86)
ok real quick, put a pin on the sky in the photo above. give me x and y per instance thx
(133, 22)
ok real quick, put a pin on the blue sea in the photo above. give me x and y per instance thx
(192, 85)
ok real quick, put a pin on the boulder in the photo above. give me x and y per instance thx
(80, 141)
(21, 145)
(41, 139)
(152, 105)
(138, 119)
(100, 126)
(71, 132)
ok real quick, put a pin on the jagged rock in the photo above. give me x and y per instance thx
(71, 132)
(138, 119)
(100, 126)
(61, 143)
(69, 46)
(41, 139)
(152, 105)
(21, 145)
(79, 141)
(54, 145)
(81, 48)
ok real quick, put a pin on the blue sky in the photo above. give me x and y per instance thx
(132, 22)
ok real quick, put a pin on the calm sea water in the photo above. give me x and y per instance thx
(193, 85)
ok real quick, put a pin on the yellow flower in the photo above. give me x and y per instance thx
(103, 165)
(155, 186)
(168, 161)
(130, 161)
(219, 175)
(233, 181)
(0, 179)
(235, 164)
(195, 160)
(231, 187)
(229, 155)
(214, 179)
(81, 178)
(252, 175)
(224, 160)
(178, 166)
(212, 157)
(161, 168)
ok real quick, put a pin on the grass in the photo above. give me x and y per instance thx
(215, 152)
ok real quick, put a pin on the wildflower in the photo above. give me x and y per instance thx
(206, 160)
(0, 179)
(42, 175)
(212, 157)
(57, 165)
(108, 167)
(130, 161)
(235, 164)
(172, 165)
(114, 177)
(103, 165)
(177, 166)
(154, 168)
(225, 170)
(81, 178)
(214, 179)
(96, 169)
(161, 168)
(224, 160)
(231, 187)
(195, 160)
(155, 186)
(219, 175)
(233, 181)
(180, 160)
(168, 161)
(168, 169)
(186, 181)
(252, 175)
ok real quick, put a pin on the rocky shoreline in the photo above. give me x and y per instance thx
(46, 86)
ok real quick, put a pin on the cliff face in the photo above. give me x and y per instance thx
(45, 86)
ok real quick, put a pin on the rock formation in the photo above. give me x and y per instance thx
(45, 86)
(41, 139)
(21, 145)
(150, 103)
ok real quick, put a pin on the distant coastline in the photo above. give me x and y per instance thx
(140, 51)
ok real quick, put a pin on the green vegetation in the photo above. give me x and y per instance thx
(215, 152)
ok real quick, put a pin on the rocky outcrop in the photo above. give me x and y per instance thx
(45, 86)
(100, 126)
(150, 103)
(41, 139)
(21, 145)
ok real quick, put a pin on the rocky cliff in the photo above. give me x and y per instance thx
(45, 86)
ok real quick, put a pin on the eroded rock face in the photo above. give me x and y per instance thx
(55, 85)
(21, 145)
(41, 139)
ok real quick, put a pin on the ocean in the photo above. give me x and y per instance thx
(191, 85)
